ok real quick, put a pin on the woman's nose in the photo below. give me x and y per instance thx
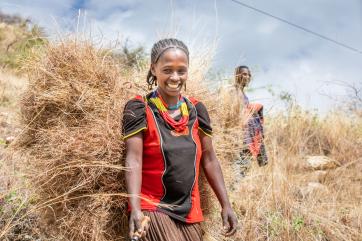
(175, 76)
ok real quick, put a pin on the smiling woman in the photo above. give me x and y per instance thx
(167, 137)
(171, 70)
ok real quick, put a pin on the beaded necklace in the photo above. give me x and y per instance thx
(178, 126)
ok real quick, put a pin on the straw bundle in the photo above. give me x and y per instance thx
(72, 111)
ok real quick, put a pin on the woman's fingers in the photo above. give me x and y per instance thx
(225, 222)
(145, 225)
(131, 229)
(230, 222)
(135, 224)
(232, 226)
(136, 237)
(138, 227)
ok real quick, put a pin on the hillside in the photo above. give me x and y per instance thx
(310, 190)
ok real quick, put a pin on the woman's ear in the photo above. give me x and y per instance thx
(153, 69)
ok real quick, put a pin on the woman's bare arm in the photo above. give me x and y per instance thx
(134, 152)
(214, 176)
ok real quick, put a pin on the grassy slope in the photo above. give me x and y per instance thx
(273, 203)
(17, 39)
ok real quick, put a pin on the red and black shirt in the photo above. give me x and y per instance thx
(170, 167)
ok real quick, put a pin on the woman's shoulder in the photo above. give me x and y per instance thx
(192, 99)
(199, 105)
(136, 102)
(202, 116)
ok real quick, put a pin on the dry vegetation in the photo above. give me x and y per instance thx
(287, 200)
(62, 178)
(18, 37)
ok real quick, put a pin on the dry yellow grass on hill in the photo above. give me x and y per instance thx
(68, 181)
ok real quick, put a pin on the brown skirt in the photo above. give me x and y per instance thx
(164, 228)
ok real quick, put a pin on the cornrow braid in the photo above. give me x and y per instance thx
(158, 49)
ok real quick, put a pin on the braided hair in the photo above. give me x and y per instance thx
(158, 49)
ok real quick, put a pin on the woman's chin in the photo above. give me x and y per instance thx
(173, 92)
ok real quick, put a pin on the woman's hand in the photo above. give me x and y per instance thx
(229, 220)
(138, 225)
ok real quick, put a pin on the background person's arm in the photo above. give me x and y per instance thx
(212, 169)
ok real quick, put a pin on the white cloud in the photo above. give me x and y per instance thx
(281, 55)
(267, 27)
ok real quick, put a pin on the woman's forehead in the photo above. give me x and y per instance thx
(173, 54)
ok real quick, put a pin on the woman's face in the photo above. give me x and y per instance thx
(171, 71)
(243, 77)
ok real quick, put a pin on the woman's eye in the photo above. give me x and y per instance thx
(170, 71)
(167, 71)
(182, 72)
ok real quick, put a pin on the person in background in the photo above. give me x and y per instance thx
(253, 133)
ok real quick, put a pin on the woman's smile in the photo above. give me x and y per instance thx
(174, 86)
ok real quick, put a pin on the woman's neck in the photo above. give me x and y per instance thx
(169, 100)
(240, 88)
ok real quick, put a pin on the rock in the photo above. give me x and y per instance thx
(9, 139)
(318, 176)
(313, 188)
(321, 163)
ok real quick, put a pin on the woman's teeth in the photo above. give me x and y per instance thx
(173, 86)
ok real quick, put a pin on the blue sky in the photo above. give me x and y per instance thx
(280, 56)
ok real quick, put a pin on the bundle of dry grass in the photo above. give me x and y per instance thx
(72, 114)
